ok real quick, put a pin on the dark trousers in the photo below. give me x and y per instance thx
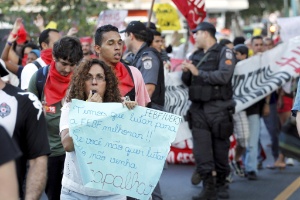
(55, 174)
(273, 126)
(211, 132)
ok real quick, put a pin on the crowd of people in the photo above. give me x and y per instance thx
(38, 83)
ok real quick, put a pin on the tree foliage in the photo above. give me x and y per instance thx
(258, 7)
(66, 13)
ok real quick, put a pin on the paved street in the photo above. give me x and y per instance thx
(175, 181)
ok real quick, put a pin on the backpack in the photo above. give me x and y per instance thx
(41, 77)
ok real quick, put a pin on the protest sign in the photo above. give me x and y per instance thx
(113, 17)
(119, 150)
(167, 17)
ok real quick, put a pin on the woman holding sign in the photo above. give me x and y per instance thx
(93, 81)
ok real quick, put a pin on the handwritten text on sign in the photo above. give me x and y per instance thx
(119, 150)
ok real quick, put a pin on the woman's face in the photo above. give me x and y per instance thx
(95, 80)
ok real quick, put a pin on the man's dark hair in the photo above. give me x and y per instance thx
(156, 33)
(101, 30)
(69, 49)
(238, 40)
(44, 36)
(258, 37)
(29, 44)
(144, 36)
(224, 42)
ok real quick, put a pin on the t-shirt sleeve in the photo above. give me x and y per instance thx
(8, 149)
(35, 128)
(64, 117)
(26, 75)
(141, 93)
(150, 68)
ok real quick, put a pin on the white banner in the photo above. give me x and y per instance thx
(258, 76)
(289, 27)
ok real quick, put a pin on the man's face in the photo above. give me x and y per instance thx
(110, 51)
(240, 56)
(53, 37)
(199, 38)
(127, 41)
(86, 48)
(31, 57)
(64, 67)
(157, 43)
(257, 46)
(268, 44)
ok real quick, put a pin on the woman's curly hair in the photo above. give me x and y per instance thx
(77, 86)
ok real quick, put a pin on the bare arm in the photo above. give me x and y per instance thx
(11, 66)
(12, 56)
(298, 122)
(67, 141)
(150, 89)
(36, 178)
(8, 181)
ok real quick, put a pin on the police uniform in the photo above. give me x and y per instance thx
(210, 114)
(148, 61)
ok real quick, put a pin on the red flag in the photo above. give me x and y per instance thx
(193, 10)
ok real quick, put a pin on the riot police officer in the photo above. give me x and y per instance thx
(208, 75)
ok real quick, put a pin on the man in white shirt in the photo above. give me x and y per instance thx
(46, 40)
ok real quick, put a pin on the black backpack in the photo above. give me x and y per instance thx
(41, 77)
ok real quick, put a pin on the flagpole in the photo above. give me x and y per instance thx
(150, 14)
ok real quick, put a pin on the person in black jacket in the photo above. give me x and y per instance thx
(208, 75)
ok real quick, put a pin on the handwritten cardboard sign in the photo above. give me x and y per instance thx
(119, 150)
(113, 17)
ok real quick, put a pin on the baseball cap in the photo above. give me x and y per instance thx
(36, 52)
(3, 71)
(243, 49)
(152, 25)
(135, 27)
(205, 26)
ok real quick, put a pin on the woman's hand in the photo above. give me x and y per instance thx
(129, 104)
(94, 97)
(67, 141)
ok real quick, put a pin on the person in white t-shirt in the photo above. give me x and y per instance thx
(91, 75)
(46, 40)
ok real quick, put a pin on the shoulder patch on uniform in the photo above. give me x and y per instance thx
(147, 63)
(4, 110)
(228, 54)
(228, 62)
(146, 58)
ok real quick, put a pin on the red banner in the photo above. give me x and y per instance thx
(193, 10)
